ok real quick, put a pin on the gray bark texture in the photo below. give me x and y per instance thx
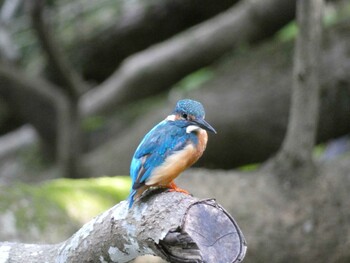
(197, 47)
(69, 148)
(138, 75)
(174, 226)
(138, 28)
(301, 136)
(251, 117)
(304, 224)
(66, 120)
(296, 152)
(281, 223)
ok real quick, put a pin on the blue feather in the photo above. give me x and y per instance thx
(159, 143)
(166, 138)
(131, 197)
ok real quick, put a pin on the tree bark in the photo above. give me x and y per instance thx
(301, 131)
(248, 21)
(8, 49)
(20, 138)
(295, 156)
(307, 224)
(70, 146)
(196, 231)
(250, 116)
(142, 70)
(65, 115)
(137, 29)
(282, 224)
(71, 81)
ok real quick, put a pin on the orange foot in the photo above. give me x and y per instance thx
(173, 188)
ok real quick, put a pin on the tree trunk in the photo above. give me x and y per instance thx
(69, 140)
(67, 122)
(196, 231)
(301, 132)
(69, 128)
(295, 157)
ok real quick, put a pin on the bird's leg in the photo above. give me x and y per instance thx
(173, 188)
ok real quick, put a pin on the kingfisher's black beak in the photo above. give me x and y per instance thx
(204, 125)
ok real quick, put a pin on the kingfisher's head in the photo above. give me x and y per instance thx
(192, 113)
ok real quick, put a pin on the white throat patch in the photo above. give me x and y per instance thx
(192, 128)
(171, 117)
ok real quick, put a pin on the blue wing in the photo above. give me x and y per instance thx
(157, 145)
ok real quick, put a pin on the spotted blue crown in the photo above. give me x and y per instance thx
(190, 107)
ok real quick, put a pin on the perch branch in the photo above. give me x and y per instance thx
(196, 231)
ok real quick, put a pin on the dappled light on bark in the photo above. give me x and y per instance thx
(152, 227)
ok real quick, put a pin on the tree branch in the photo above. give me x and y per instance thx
(20, 138)
(74, 87)
(196, 231)
(71, 80)
(130, 77)
(51, 94)
(134, 30)
(255, 118)
(164, 64)
(37, 86)
(8, 49)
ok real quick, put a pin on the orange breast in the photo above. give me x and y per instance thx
(202, 143)
(178, 162)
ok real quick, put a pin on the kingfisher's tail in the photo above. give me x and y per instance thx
(131, 197)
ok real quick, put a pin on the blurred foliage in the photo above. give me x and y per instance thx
(71, 21)
(33, 158)
(334, 13)
(79, 20)
(93, 123)
(319, 150)
(82, 199)
(318, 153)
(249, 167)
(195, 80)
(288, 32)
(62, 200)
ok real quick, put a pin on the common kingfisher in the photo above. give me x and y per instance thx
(169, 148)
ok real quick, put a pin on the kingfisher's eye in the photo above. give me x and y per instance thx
(184, 115)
